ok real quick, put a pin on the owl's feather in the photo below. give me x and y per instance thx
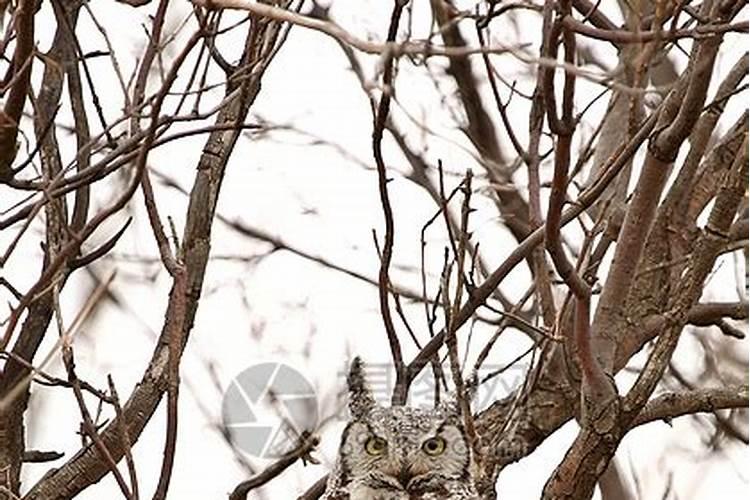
(399, 464)
(361, 400)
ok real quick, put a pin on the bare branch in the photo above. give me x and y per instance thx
(676, 404)
(302, 451)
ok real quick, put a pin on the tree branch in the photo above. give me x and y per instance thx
(677, 404)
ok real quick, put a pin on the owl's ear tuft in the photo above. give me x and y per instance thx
(361, 400)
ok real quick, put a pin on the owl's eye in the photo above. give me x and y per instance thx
(434, 446)
(376, 446)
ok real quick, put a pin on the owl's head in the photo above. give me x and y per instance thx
(401, 449)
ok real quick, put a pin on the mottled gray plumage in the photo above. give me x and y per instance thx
(400, 453)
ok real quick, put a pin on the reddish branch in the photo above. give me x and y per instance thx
(563, 128)
(680, 112)
(596, 388)
(576, 476)
(586, 199)
(380, 120)
(593, 448)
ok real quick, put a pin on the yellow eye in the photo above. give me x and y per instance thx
(376, 446)
(434, 446)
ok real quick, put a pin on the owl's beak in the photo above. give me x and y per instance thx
(404, 476)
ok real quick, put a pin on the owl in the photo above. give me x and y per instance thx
(400, 453)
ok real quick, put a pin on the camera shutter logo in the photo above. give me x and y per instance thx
(267, 407)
